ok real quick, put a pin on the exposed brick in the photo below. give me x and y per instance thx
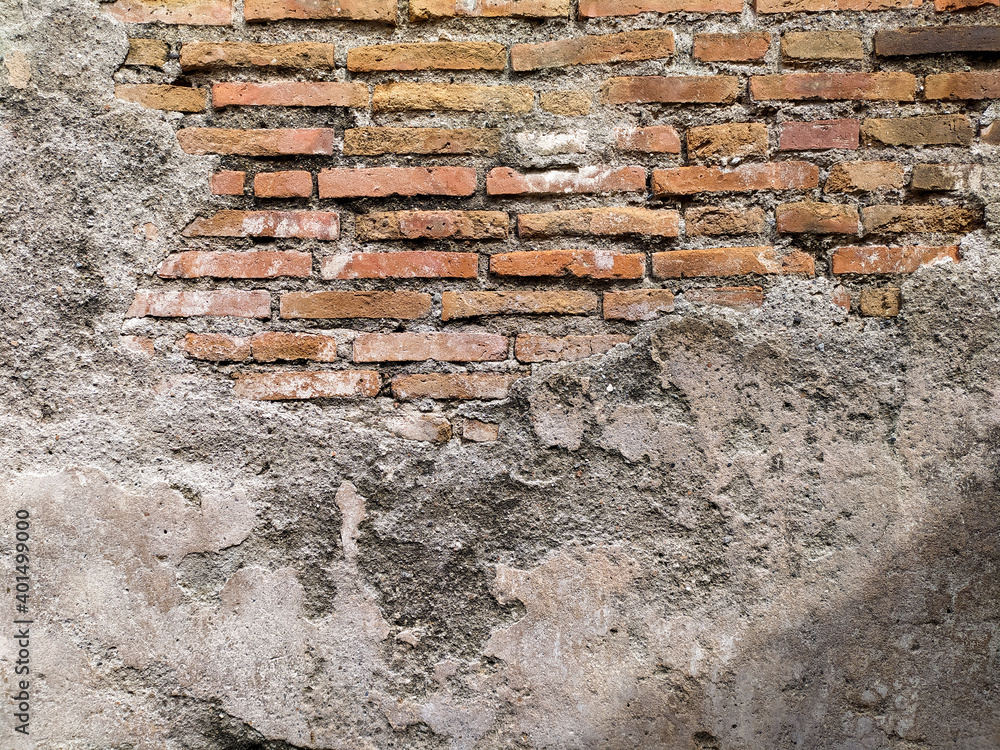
(962, 86)
(962, 4)
(298, 55)
(401, 265)
(897, 87)
(784, 175)
(942, 177)
(443, 347)
(435, 225)
(747, 47)
(427, 428)
(671, 89)
(936, 39)
(258, 264)
(594, 179)
(224, 303)
(544, 143)
(277, 142)
(140, 345)
(881, 259)
(864, 176)
(991, 134)
(430, 56)
(274, 346)
(816, 218)
(319, 225)
(589, 50)
(477, 385)
(568, 103)
(727, 140)
(841, 298)
(425, 10)
(590, 264)
(474, 304)
(736, 297)
(287, 386)
(604, 222)
(461, 97)
(379, 182)
(162, 96)
(378, 141)
(822, 45)
(880, 303)
(656, 139)
(192, 12)
(329, 10)
(227, 183)
(715, 220)
(919, 218)
(294, 184)
(479, 432)
(565, 348)
(603, 8)
(930, 130)
(819, 135)
(730, 261)
(638, 304)
(337, 305)
(817, 6)
(149, 52)
(291, 94)
(216, 347)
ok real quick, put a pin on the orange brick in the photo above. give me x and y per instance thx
(343, 305)
(425, 10)
(747, 47)
(591, 264)
(603, 8)
(920, 218)
(290, 94)
(216, 347)
(430, 56)
(602, 222)
(730, 261)
(475, 304)
(443, 347)
(147, 52)
(319, 225)
(671, 89)
(299, 55)
(566, 103)
(816, 218)
(189, 12)
(405, 96)
(784, 175)
(816, 6)
(277, 142)
(225, 303)
(162, 96)
(881, 259)
(898, 87)
(453, 386)
(288, 386)
(261, 264)
(378, 141)
(380, 182)
(715, 220)
(227, 183)
(962, 86)
(275, 346)
(596, 179)
(727, 140)
(283, 185)
(401, 265)
(411, 225)
(589, 50)
(736, 297)
(566, 348)
(819, 135)
(962, 4)
(638, 304)
(310, 10)
(864, 176)
(656, 139)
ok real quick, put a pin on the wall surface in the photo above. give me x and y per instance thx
(485, 374)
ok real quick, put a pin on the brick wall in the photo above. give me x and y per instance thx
(427, 201)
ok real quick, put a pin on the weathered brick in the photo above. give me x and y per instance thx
(319, 225)
(443, 347)
(567, 103)
(819, 135)
(603, 8)
(943, 177)
(429, 56)
(936, 39)
(478, 385)
(337, 305)
(401, 265)
(257, 264)
(603, 222)
(638, 304)
(897, 87)
(881, 259)
(292, 184)
(656, 139)
(929, 130)
(727, 140)
(277, 142)
(378, 141)
(715, 220)
(589, 50)
(841, 298)
(275, 346)
(328, 10)
(822, 45)
(475, 304)
(291, 94)
(864, 176)
(530, 348)
(594, 179)
(736, 297)
(288, 386)
(149, 52)
(379, 182)
(730, 261)
(962, 4)
(479, 432)
(162, 96)
(817, 6)
(428, 428)
(816, 218)
(435, 225)
(880, 303)
(991, 134)
(783, 175)
(544, 143)
(216, 347)
(182, 12)
(225, 303)
(590, 264)
(919, 218)
(962, 86)
(425, 10)
(461, 97)
(227, 183)
(750, 46)
(671, 89)
(297, 55)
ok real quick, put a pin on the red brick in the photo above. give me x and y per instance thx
(864, 176)
(428, 56)
(226, 303)
(783, 175)
(595, 179)
(747, 47)
(627, 46)
(261, 264)
(736, 297)
(819, 135)
(406, 96)
(656, 139)
(841, 298)
(216, 347)
(378, 141)
(277, 142)
(897, 87)
(920, 218)
(416, 347)
(343, 305)
(816, 6)
(671, 89)
(274, 346)
(283, 185)
(310, 10)
(962, 86)
(163, 96)
(319, 225)
(566, 348)
(881, 259)
(379, 182)
(298, 55)
(474, 304)
(929, 130)
(816, 218)
(730, 261)
(227, 183)
(453, 386)
(290, 94)
(438, 225)
(288, 386)
(192, 12)
(638, 304)
(425, 10)
(591, 264)
(715, 220)
(600, 222)
(401, 265)
(603, 8)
